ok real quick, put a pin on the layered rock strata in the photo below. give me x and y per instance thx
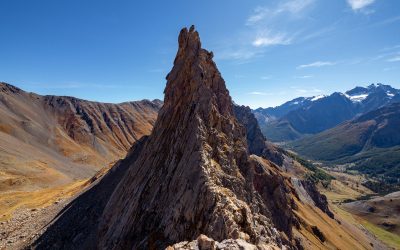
(194, 175)
(54, 140)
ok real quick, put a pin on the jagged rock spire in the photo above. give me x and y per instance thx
(194, 170)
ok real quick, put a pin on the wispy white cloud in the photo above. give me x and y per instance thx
(359, 4)
(318, 33)
(243, 53)
(294, 7)
(353, 62)
(265, 77)
(382, 56)
(297, 6)
(302, 77)
(238, 76)
(316, 64)
(389, 68)
(267, 27)
(317, 90)
(394, 59)
(259, 14)
(390, 20)
(266, 39)
(301, 91)
(258, 93)
(390, 48)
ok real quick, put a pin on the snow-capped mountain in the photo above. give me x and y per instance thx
(359, 94)
(365, 99)
(316, 114)
(270, 114)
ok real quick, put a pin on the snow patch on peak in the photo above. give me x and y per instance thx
(374, 85)
(318, 97)
(358, 98)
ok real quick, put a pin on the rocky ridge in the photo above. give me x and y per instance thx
(260, 146)
(257, 143)
(54, 140)
(195, 173)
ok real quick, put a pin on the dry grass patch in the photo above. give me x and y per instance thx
(10, 202)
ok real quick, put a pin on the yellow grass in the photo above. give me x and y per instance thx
(338, 191)
(9, 202)
(389, 238)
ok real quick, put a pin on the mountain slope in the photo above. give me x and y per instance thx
(371, 140)
(52, 140)
(256, 141)
(194, 176)
(269, 114)
(327, 112)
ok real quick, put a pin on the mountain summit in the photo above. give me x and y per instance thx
(194, 175)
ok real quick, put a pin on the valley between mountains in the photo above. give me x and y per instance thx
(196, 171)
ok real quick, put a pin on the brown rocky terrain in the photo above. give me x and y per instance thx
(384, 212)
(47, 141)
(192, 184)
(195, 176)
(256, 141)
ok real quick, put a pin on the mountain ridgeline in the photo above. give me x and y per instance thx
(371, 142)
(313, 115)
(53, 140)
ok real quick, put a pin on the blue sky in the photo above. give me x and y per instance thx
(268, 52)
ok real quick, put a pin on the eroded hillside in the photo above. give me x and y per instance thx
(47, 141)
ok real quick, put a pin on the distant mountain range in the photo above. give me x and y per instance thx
(370, 142)
(312, 115)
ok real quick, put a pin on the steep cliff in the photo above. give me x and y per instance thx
(194, 175)
(256, 141)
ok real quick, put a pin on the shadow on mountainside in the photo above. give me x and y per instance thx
(75, 226)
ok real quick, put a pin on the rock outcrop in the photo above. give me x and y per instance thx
(194, 175)
(319, 199)
(257, 142)
(203, 243)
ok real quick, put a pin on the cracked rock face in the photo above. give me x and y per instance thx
(194, 175)
(257, 142)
